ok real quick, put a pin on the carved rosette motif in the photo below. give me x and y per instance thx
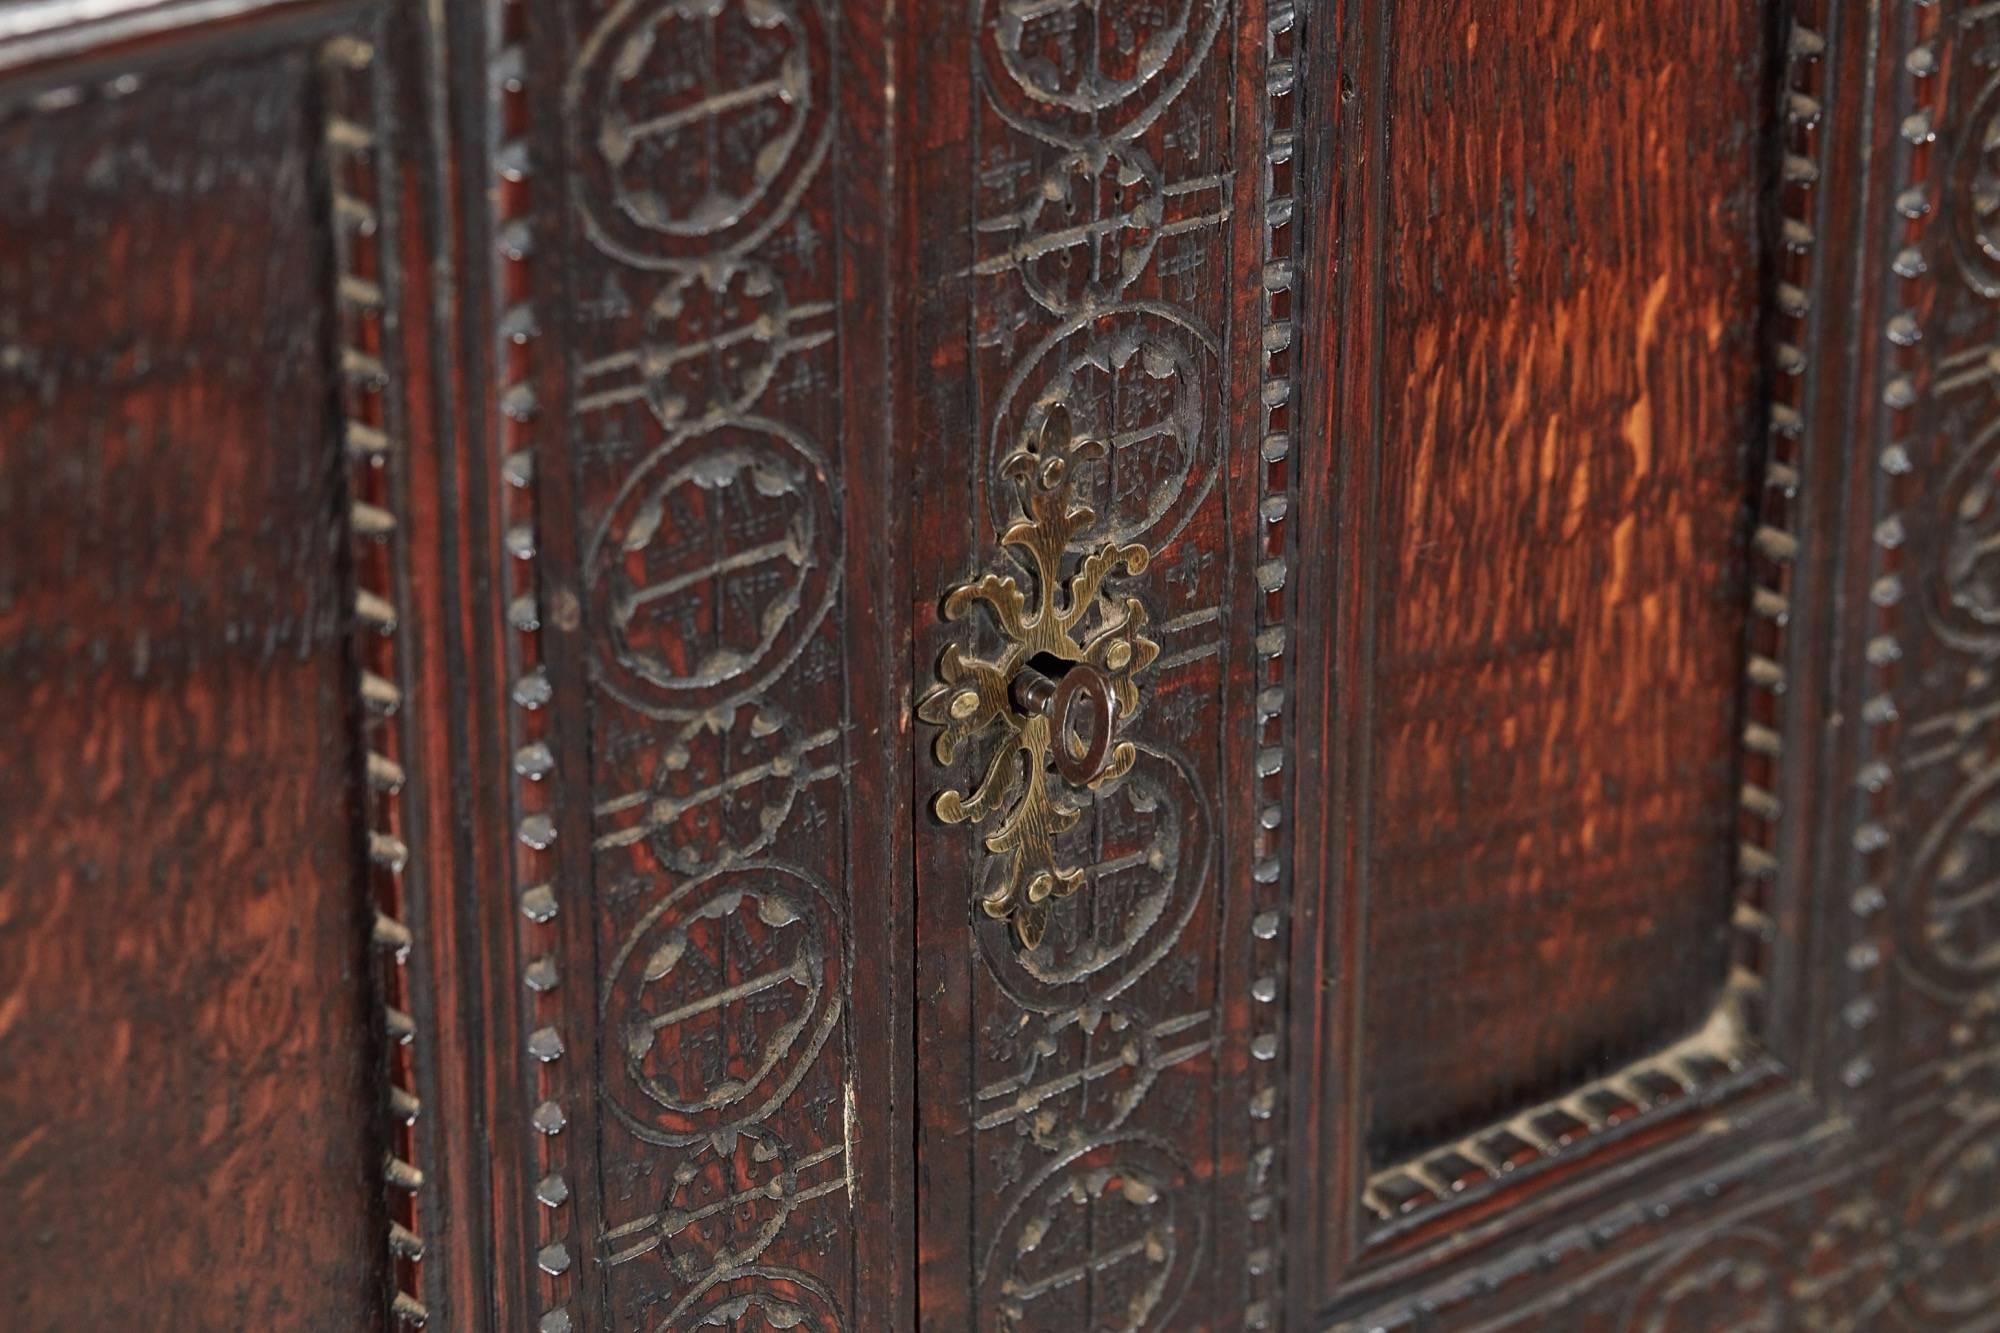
(702, 436)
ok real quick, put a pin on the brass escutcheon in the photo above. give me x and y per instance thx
(1057, 696)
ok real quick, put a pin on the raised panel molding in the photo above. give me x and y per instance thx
(1859, 1196)
(685, 363)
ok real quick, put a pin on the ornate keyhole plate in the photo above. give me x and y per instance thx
(1059, 695)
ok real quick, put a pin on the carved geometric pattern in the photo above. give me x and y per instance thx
(1104, 247)
(1115, 1214)
(703, 439)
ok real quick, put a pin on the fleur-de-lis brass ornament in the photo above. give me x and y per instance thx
(1056, 697)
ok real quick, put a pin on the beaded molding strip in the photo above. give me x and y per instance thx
(1271, 848)
(1727, 1045)
(533, 761)
(361, 284)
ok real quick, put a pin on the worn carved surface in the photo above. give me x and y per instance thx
(1090, 243)
(1221, 664)
(695, 632)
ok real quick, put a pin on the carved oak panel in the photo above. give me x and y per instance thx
(1817, 1163)
(1153, 664)
(1107, 272)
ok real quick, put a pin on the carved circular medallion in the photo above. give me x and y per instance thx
(1964, 600)
(1144, 846)
(1732, 1280)
(765, 1297)
(718, 791)
(696, 124)
(708, 574)
(1080, 1075)
(1088, 228)
(1076, 69)
(1148, 384)
(1103, 1239)
(726, 1201)
(1952, 1229)
(718, 1001)
(1972, 192)
(714, 337)
(1949, 915)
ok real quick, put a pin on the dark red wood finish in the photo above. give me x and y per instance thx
(1804, 1159)
(509, 482)
(1570, 376)
(1093, 241)
(189, 1045)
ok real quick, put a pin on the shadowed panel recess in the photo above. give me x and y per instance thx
(1570, 388)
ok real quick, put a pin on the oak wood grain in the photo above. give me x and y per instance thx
(1425, 339)
(188, 1105)
(1570, 391)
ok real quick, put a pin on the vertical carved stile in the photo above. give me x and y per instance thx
(1929, 846)
(687, 541)
(1105, 244)
(1008, 666)
(1867, 830)
(364, 242)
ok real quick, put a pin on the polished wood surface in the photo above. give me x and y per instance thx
(189, 1098)
(812, 664)
(1570, 410)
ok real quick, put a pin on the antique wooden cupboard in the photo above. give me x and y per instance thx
(1024, 664)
